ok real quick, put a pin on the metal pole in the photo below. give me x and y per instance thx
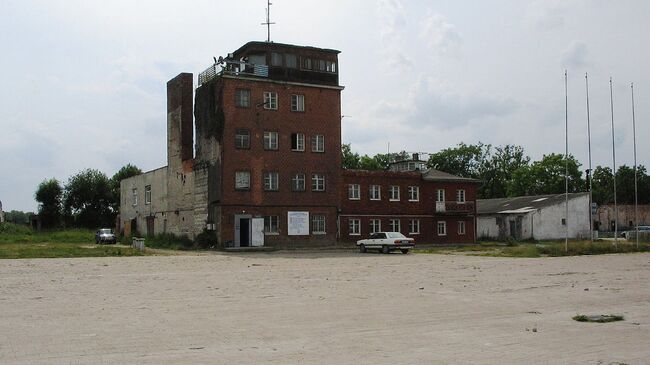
(591, 199)
(566, 162)
(611, 103)
(636, 198)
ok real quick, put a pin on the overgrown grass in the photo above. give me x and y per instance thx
(598, 318)
(166, 241)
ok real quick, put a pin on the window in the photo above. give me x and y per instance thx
(297, 103)
(442, 228)
(460, 196)
(354, 192)
(270, 140)
(276, 59)
(298, 182)
(321, 65)
(271, 181)
(318, 182)
(306, 63)
(297, 142)
(243, 98)
(290, 60)
(414, 226)
(375, 225)
(394, 225)
(318, 224)
(461, 227)
(135, 196)
(242, 180)
(393, 193)
(564, 221)
(318, 143)
(355, 227)
(330, 66)
(242, 139)
(440, 195)
(375, 192)
(414, 193)
(271, 224)
(147, 194)
(270, 100)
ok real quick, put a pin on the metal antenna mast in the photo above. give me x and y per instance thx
(611, 102)
(636, 199)
(268, 22)
(590, 177)
(566, 161)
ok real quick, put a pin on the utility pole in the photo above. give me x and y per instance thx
(268, 22)
(636, 197)
(611, 103)
(589, 172)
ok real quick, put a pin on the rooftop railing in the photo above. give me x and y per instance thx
(233, 68)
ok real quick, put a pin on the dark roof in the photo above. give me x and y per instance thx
(521, 204)
(437, 175)
(272, 45)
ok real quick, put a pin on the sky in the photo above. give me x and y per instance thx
(84, 81)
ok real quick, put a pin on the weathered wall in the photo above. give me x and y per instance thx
(157, 208)
(606, 213)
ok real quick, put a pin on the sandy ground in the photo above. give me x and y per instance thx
(324, 307)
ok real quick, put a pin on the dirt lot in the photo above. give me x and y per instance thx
(324, 307)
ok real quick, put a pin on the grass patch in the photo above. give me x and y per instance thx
(165, 241)
(600, 318)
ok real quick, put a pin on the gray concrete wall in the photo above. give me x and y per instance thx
(158, 208)
(547, 222)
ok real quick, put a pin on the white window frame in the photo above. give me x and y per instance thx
(391, 224)
(147, 194)
(134, 195)
(414, 226)
(243, 98)
(391, 193)
(298, 177)
(271, 140)
(354, 227)
(240, 138)
(248, 176)
(460, 196)
(271, 181)
(442, 228)
(318, 143)
(375, 225)
(297, 103)
(440, 195)
(461, 227)
(354, 192)
(414, 193)
(300, 142)
(271, 225)
(317, 182)
(270, 100)
(318, 225)
(375, 192)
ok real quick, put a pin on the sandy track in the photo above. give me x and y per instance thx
(323, 307)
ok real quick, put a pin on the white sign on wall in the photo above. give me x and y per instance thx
(298, 223)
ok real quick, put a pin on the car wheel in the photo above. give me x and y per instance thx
(385, 249)
(404, 251)
(362, 248)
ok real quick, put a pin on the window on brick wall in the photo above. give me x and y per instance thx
(290, 60)
(318, 182)
(271, 224)
(440, 195)
(318, 224)
(270, 100)
(394, 225)
(375, 192)
(354, 191)
(270, 140)
(461, 227)
(297, 103)
(414, 193)
(393, 193)
(318, 143)
(242, 180)
(242, 138)
(355, 227)
(375, 225)
(298, 182)
(243, 98)
(297, 142)
(442, 228)
(276, 59)
(460, 196)
(271, 181)
(414, 226)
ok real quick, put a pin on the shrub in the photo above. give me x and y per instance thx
(206, 239)
(12, 228)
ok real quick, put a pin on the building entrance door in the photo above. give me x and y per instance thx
(242, 230)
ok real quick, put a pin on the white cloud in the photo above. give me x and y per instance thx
(440, 35)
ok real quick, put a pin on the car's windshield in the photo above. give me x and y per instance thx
(395, 235)
(105, 230)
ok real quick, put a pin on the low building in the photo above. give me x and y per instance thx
(605, 217)
(540, 217)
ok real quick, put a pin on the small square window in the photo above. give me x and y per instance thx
(414, 193)
(393, 193)
(355, 227)
(271, 181)
(318, 224)
(242, 139)
(290, 60)
(354, 192)
(394, 225)
(375, 192)
(306, 63)
(318, 143)
(375, 225)
(270, 100)
(276, 59)
(298, 182)
(440, 195)
(243, 98)
(318, 182)
(297, 103)
(297, 142)
(271, 224)
(460, 196)
(270, 140)
(242, 180)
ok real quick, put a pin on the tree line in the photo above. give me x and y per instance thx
(89, 199)
(506, 171)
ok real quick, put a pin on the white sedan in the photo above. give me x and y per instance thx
(386, 242)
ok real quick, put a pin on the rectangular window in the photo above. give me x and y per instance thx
(375, 192)
(276, 59)
(394, 225)
(242, 138)
(306, 63)
(442, 228)
(318, 224)
(414, 226)
(354, 192)
(460, 196)
(271, 224)
(321, 65)
(270, 140)
(147, 194)
(414, 193)
(243, 98)
(393, 193)
(290, 60)
(440, 195)
(318, 143)
(355, 227)
(297, 142)
(330, 66)
(298, 182)
(461, 227)
(242, 180)
(270, 100)
(375, 225)
(135, 197)
(271, 181)
(318, 182)
(297, 103)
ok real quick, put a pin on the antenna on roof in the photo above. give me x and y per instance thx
(268, 20)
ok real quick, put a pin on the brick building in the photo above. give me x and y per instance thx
(266, 165)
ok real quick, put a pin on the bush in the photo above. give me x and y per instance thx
(11, 228)
(165, 240)
(206, 239)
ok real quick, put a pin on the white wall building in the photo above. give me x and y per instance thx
(541, 217)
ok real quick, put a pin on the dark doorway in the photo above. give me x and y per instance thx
(150, 231)
(244, 232)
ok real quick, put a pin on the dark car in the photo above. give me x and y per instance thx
(105, 235)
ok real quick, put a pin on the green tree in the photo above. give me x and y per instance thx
(18, 217)
(546, 177)
(464, 160)
(48, 195)
(88, 200)
(498, 168)
(350, 160)
(602, 185)
(125, 172)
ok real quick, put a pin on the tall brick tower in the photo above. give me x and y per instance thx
(268, 146)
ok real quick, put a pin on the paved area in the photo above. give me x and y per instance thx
(324, 308)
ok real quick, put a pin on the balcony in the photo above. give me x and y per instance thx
(233, 68)
(455, 207)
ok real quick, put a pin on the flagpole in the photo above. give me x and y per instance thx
(590, 177)
(636, 198)
(566, 162)
(611, 103)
